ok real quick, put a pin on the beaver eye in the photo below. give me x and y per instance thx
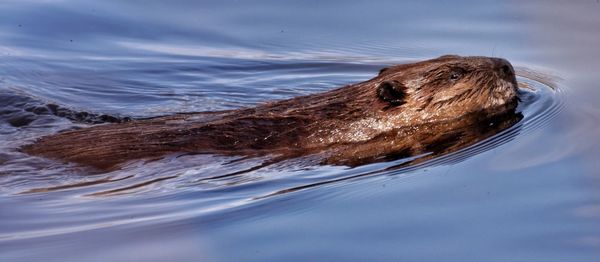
(456, 74)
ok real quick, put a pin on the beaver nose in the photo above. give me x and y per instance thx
(505, 68)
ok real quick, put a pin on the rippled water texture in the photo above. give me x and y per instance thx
(528, 193)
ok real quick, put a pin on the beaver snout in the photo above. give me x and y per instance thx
(504, 68)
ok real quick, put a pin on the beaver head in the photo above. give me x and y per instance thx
(439, 90)
(446, 88)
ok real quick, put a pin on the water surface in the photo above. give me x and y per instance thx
(529, 193)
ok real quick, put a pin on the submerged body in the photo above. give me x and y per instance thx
(405, 110)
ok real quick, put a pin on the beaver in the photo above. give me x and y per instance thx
(406, 109)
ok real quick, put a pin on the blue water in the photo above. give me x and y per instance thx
(530, 193)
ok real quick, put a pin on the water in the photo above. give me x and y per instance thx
(529, 193)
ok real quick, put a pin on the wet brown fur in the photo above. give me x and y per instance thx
(351, 125)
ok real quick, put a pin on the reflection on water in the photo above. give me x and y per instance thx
(528, 188)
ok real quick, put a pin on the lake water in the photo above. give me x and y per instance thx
(531, 193)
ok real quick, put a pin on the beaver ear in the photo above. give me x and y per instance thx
(392, 92)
